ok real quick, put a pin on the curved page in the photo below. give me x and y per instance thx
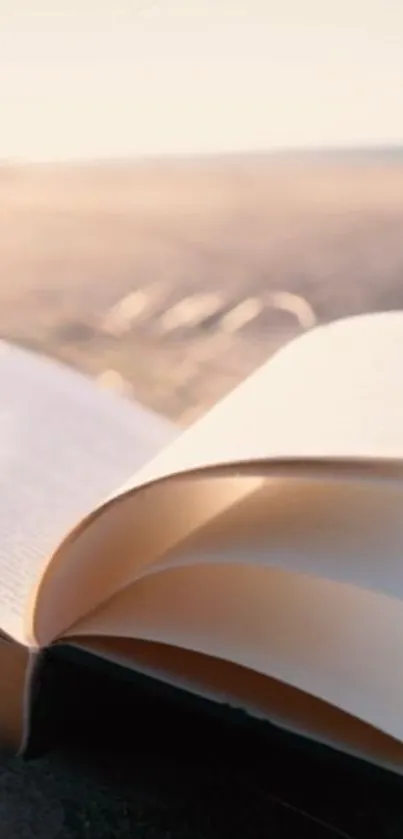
(348, 531)
(334, 393)
(64, 445)
(335, 641)
(260, 696)
(151, 527)
(328, 398)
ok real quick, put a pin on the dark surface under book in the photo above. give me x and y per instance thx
(181, 767)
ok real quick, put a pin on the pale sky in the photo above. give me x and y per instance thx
(112, 78)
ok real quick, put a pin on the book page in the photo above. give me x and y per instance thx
(119, 544)
(155, 527)
(334, 393)
(335, 641)
(329, 395)
(342, 529)
(64, 445)
(15, 669)
(345, 531)
(260, 696)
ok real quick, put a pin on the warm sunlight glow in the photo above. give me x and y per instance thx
(96, 78)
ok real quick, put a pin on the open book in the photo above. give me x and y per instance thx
(254, 559)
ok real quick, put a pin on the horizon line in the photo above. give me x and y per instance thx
(200, 156)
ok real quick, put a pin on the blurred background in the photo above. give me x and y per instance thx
(186, 185)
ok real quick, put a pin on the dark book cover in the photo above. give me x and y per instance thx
(109, 710)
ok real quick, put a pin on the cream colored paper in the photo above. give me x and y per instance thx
(335, 392)
(330, 397)
(302, 584)
(344, 530)
(64, 444)
(338, 642)
(260, 696)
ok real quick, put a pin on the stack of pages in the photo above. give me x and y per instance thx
(255, 559)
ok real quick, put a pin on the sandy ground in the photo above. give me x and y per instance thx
(183, 278)
(94, 264)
